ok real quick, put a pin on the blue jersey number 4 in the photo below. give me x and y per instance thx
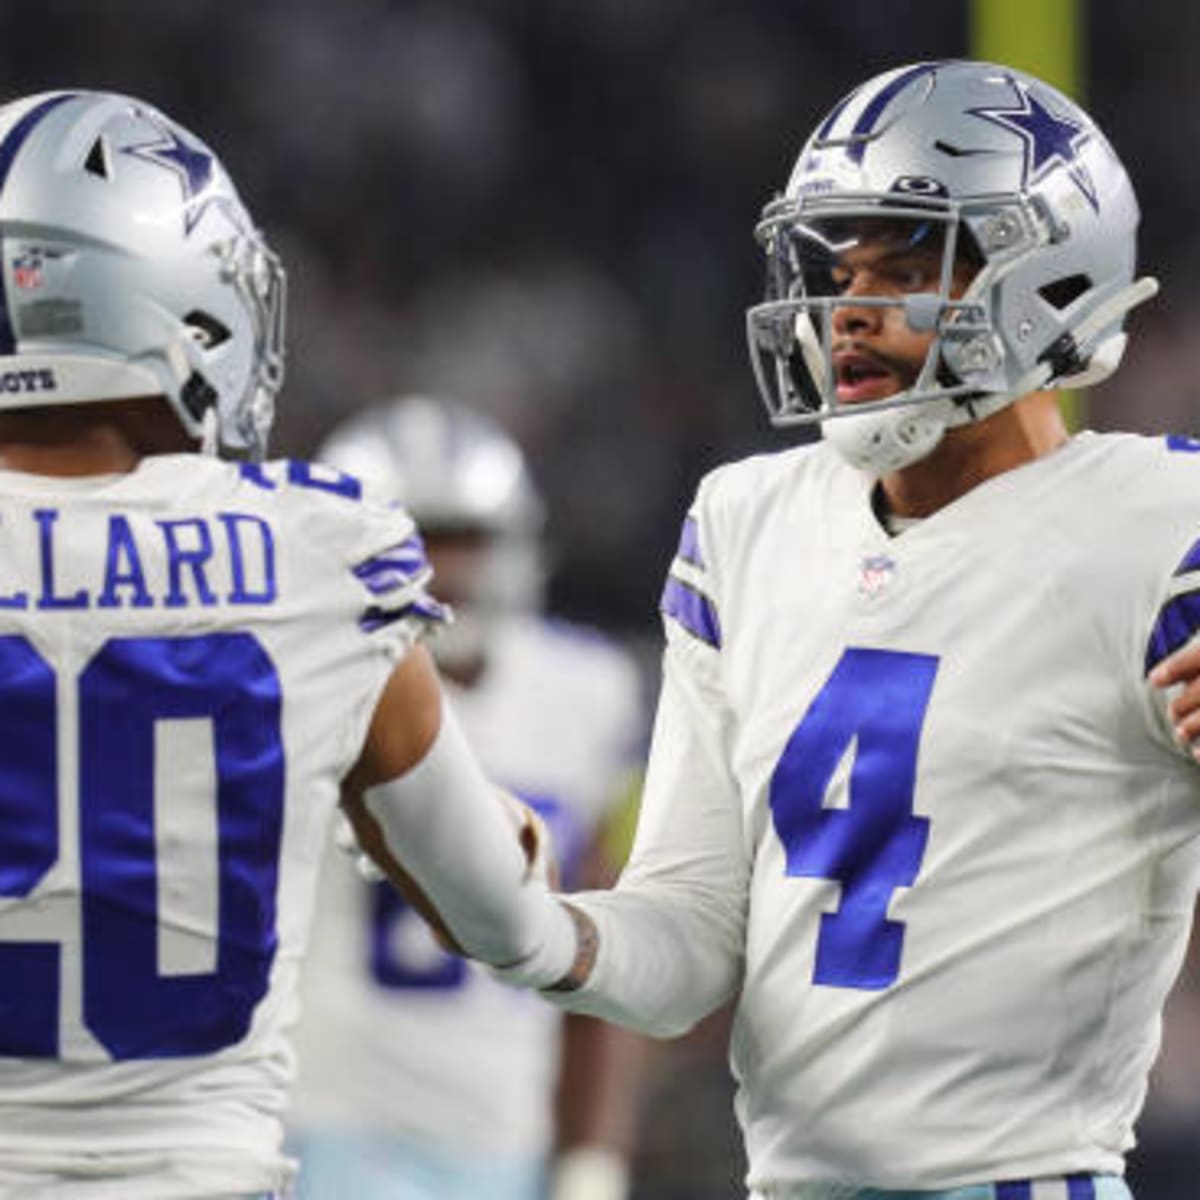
(874, 703)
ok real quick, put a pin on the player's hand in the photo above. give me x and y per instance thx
(346, 840)
(1181, 671)
(534, 839)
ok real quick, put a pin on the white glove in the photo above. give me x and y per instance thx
(589, 1173)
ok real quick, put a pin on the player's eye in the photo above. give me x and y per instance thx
(841, 279)
(914, 275)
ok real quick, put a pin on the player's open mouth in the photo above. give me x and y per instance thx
(860, 378)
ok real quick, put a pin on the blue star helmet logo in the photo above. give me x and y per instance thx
(1049, 140)
(192, 165)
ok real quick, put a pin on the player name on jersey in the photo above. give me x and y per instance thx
(183, 562)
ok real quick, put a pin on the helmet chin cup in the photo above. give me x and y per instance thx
(889, 439)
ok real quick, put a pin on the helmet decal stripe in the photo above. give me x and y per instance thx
(838, 109)
(13, 142)
(869, 115)
(16, 136)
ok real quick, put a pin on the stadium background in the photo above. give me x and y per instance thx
(545, 209)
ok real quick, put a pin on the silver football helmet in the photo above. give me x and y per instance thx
(460, 475)
(984, 165)
(131, 268)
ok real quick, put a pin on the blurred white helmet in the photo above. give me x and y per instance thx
(459, 474)
(976, 160)
(131, 268)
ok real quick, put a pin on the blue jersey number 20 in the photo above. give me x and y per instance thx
(875, 700)
(132, 1009)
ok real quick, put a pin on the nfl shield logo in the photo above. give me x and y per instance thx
(27, 270)
(875, 572)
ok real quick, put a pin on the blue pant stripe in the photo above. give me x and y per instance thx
(1015, 1189)
(1081, 1187)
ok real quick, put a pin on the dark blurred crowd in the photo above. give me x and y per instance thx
(546, 209)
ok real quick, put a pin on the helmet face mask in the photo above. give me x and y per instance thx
(792, 332)
(131, 268)
(1010, 185)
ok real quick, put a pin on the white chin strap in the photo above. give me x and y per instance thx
(881, 442)
(893, 438)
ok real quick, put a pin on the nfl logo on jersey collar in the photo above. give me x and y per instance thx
(875, 572)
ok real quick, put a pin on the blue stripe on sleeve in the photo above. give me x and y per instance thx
(396, 567)
(1190, 561)
(1177, 620)
(1081, 1187)
(424, 607)
(693, 610)
(689, 543)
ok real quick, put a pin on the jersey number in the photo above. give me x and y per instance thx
(875, 702)
(131, 1008)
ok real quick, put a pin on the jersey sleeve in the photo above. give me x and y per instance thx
(1176, 622)
(672, 932)
(396, 578)
(372, 538)
(688, 606)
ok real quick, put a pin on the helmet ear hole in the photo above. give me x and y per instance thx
(96, 162)
(197, 395)
(1062, 293)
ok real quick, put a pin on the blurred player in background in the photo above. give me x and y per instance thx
(196, 658)
(916, 795)
(421, 1076)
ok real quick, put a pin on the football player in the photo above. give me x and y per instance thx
(914, 798)
(420, 1076)
(197, 657)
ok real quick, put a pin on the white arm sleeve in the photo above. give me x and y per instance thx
(447, 827)
(672, 932)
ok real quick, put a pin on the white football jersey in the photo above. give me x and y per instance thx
(396, 1035)
(945, 844)
(189, 658)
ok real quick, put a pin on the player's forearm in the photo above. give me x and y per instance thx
(669, 938)
(662, 962)
(444, 836)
